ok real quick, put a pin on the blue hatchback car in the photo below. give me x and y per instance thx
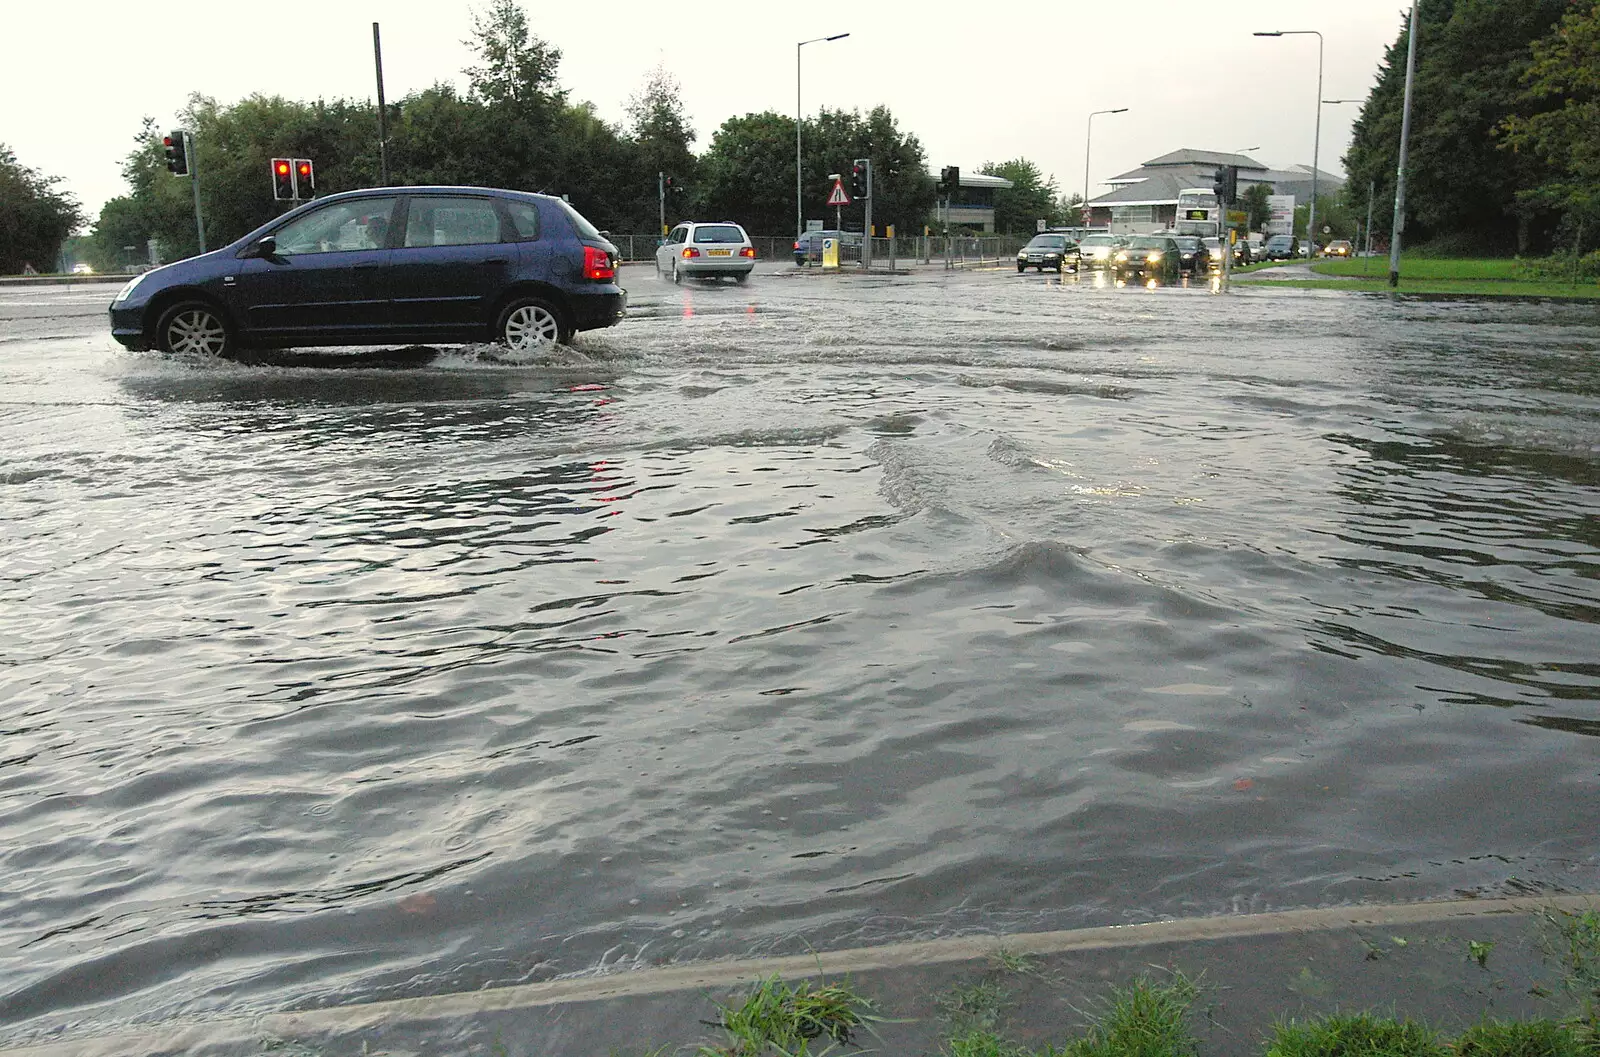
(373, 267)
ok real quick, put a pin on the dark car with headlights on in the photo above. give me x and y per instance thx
(1149, 256)
(1048, 250)
(386, 265)
(1194, 256)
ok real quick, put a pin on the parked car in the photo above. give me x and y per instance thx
(413, 264)
(1096, 251)
(808, 247)
(1151, 256)
(701, 250)
(1194, 255)
(1339, 248)
(1048, 250)
(1258, 249)
(1282, 248)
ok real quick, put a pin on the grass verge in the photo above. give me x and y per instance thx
(1456, 287)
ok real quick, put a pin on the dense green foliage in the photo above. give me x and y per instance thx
(34, 217)
(1473, 57)
(1032, 197)
(748, 171)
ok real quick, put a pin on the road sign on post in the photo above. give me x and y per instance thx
(839, 197)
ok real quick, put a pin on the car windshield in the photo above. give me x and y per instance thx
(1278, 240)
(1189, 243)
(718, 233)
(1047, 242)
(1100, 240)
(1148, 244)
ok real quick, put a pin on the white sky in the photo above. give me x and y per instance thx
(976, 82)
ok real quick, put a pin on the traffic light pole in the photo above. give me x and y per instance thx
(193, 163)
(866, 245)
(661, 193)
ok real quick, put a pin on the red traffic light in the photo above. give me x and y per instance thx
(283, 168)
(305, 168)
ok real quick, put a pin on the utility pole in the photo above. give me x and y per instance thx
(1405, 137)
(661, 195)
(866, 256)
(383, 125)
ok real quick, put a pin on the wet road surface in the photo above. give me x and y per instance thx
(818, 611)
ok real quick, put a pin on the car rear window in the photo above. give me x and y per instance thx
(718, 233)
(585, 229)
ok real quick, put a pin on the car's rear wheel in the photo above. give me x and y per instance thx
(742, 278)
(194, 328)
(530, 323)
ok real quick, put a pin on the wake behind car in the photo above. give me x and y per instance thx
(1048, 250)
(706, 250)
(397, 264)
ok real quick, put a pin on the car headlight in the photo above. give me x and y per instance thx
(127, 288)
(1122, 256)
(1154, 256)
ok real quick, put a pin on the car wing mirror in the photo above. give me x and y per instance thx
(266, 247)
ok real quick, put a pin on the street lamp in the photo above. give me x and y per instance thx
(1400, 172)
(1316, 141)
(1086, 138)
(799, 201)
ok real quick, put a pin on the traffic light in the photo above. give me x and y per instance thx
(949, 180)
(177, 152)
(672, 184)
(1219, 185)
(861, 179)
(305, 179)
(1233, 184)
(283, 179)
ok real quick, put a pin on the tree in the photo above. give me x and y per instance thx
(1029, 199)
(1470, 61)
(661, 132)
(34, 217)
(518, 67)
(1562, 122)
(1254, 202)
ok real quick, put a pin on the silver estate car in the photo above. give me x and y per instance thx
(701, 249)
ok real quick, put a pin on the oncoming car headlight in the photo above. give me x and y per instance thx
(1122, 256)
(1155, 255)
(127, 288)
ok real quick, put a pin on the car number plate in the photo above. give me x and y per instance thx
(721, 253)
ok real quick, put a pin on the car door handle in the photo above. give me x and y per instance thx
(361, 267)
(495, 260)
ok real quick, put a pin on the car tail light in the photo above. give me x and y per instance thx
(748, 251)
(690, 251)
(597, 264)
(797, 245)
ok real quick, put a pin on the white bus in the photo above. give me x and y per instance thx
(1198, 213)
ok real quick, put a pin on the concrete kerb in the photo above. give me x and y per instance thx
(706, 977)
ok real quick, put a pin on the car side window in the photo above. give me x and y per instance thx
(679, 234)
(524, 219)
(356, 224)
(440, 221)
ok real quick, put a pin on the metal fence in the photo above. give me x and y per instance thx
(960, 251)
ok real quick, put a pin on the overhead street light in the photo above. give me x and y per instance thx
(1316, 140)
(1086, 140)
(799, 200)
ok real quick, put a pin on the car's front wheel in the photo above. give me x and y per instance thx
(194, 328)
(530, 323)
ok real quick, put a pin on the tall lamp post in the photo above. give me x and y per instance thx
(1316, 140)
(1086, 140)
(1400, 172)
(799, 200)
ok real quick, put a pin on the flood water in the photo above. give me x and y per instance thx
(803, 613)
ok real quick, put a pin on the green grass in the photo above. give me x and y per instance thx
(779, 1019)
(1508, 1038)
(1361, 1035)
(1430, 268)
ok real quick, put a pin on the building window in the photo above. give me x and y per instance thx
(1133, 214)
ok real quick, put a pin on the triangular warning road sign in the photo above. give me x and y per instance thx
(838, 197)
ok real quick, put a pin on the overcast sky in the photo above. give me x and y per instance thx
(975, 82)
